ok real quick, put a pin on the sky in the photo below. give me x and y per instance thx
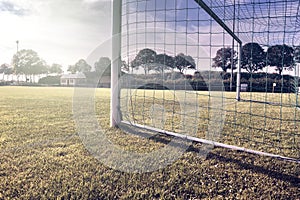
(60, 31)
(64, 31)
(171, 21)
(191, 31)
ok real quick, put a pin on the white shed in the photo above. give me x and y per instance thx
(244, 87)
(72, 79)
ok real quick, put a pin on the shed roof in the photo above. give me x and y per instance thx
(74, 76)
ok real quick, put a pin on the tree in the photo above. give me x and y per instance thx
(5, 70)
(80, 66)
(125, 67)
(28, 62)
(72, 69)
(223, 59)
(164, 61)
(83, 66)
(55, 69)
(9, 71)
(182, 62)
(297, 54)
(103, 65)
(146, 58)
(281, 57)
(253, 57)
(37, 69)
(3, 67)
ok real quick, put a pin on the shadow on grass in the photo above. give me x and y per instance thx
(238, 158)
(266, 165)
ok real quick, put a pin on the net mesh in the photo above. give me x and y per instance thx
(173, 83)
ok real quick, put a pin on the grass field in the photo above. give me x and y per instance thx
(272, 128)
(42, 156)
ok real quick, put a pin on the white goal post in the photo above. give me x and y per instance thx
(116, 62)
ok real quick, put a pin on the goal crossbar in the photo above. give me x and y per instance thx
(218, 20)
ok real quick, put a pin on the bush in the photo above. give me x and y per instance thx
(4, 83)
(50, 80)
(214, 81)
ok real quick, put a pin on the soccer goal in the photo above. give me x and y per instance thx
(225, 73)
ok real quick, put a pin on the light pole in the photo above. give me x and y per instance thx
(17, 45)
(17, 56)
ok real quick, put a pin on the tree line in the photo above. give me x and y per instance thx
(255, 58)
(27, 62)
(149, 60)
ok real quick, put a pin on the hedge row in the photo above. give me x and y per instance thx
(258, 82)
(214, 81)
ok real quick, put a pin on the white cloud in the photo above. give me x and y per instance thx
(61, 31)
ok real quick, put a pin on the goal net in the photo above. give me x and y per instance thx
(220, 72)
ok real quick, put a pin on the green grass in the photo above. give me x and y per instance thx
(272, 128)
(42, 157)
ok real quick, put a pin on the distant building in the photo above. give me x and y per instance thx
(72, 79)
(191, 73)
(104, 81)
(244, 87)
